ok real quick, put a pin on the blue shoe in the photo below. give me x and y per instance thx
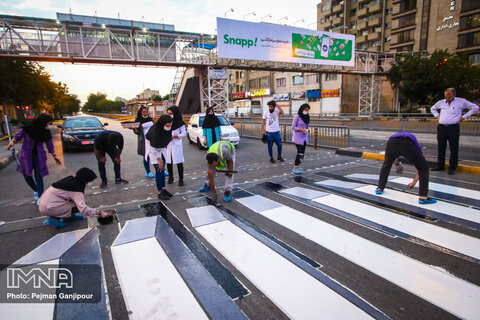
(149, 175)
(296, 171)
(205, 189)
(227, 197)
(76, 216)
(53, 223)
(35, 196)
(378, 191)
(166, 173)
(427, 201)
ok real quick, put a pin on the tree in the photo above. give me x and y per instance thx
(92, 101)
(422, 80)
(27, 84)
(156, 98)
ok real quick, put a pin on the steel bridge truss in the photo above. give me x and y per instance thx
(36, 39)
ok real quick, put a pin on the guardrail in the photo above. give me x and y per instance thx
(318, 135)
(414, 124)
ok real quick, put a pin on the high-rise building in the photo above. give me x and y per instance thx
(369, 20)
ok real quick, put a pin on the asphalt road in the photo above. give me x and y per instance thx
(23, 231)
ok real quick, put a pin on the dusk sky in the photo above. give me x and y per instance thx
(195, 16)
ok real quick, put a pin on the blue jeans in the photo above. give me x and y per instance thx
(146, 164)
(116, 166)
(274, 137)
(160, 175)
(37, 184)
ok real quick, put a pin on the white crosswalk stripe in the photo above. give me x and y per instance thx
(294, 291)
(452, 294)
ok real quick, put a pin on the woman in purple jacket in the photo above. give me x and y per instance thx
(32, 155)
(300, 135)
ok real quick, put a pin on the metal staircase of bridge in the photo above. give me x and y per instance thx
(39, 39)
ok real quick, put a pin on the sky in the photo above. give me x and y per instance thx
(186, 15)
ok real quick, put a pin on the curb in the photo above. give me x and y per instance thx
(380, 157)
(5, 161)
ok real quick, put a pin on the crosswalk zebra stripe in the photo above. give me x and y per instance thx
(452, 240)
(463, 192)
(452, 294)
(21, 311)
(290, 288)
(151, 286)
(446, 208)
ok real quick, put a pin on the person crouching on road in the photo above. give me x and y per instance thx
(405, 144)
(64, 198)
(300, 135)
(111, 143)
(220, 156)
(159, 137)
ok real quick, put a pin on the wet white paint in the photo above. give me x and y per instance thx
(452, 240)
(151, 286)
(296, 293)
(446, 208)
(458, 191)
(452, 294)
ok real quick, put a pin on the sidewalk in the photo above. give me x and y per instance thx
(5, 155)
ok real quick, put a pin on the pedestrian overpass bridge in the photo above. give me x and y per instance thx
(52, 40)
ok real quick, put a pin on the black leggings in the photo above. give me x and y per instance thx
(300, 153)
(170, 171)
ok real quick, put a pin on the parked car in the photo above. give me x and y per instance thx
(195, 131)
(80, 131)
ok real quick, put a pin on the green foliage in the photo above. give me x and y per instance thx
(98, 102)
(156, 98)
(27, 84)
(422, 80)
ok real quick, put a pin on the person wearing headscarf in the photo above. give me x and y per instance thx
(145, 123)
(175, 147)
(159, 137)
(33, 159)
(212, 131)
(300, 135)
(64, 198)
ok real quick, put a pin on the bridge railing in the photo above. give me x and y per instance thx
(318, 135)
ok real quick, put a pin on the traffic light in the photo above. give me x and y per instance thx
(27, 107)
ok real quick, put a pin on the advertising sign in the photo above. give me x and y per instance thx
(267, 42)
(330, 93)
(259, 93)
(217, 73)
(239, 95)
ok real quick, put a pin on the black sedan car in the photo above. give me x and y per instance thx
(77, 132)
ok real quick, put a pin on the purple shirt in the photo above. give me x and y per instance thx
(451, 113)
(299, 137)
(26, 154)
(407, 135)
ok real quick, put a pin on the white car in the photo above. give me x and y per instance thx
(195, 131)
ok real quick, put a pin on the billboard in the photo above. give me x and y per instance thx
(260, 41)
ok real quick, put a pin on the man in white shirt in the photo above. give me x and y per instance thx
(449, 127)
(271, 127)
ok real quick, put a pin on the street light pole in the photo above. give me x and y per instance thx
(267, 16)
(278, 21)
(301, 20)
(253, 12)
(231, 9)
(308, 27)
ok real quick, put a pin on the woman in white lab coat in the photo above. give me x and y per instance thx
(175, 147)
